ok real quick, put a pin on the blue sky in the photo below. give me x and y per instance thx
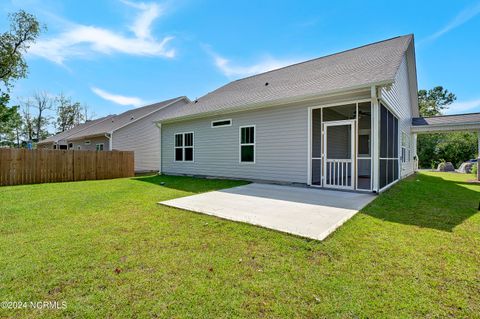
(114, 55)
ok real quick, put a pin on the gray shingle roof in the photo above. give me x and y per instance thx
(76, 129)
(108, 123)
(117, 121)
(455, 119)
(366, 65)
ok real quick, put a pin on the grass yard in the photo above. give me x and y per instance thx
(108, 250)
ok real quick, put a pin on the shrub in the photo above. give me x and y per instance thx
(441, 166)
(475, 169)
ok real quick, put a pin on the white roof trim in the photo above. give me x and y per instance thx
(435, 128)
(278, 102)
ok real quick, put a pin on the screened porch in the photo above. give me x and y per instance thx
(341, 138)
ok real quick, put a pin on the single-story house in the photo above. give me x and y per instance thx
(342, 121)
(60, 140)
(133, 130)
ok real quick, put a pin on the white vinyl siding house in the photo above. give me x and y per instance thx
(90, 144)
(317, 123)
(281, 143)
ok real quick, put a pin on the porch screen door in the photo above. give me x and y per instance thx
(339, 161)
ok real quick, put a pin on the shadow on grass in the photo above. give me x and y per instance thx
(426, 201)
(189, 184)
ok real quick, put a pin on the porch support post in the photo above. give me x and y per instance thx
(478, 157)
(375, 139)
(478, 148)
(415, 156)
(159, 126)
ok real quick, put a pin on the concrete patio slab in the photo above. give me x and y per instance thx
(306, 212)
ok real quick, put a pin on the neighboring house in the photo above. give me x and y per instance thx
(59, 140)
(341, 121)
(133, 130)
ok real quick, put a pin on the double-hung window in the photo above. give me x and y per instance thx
(247, 144)
(184, 147)
(405, 148)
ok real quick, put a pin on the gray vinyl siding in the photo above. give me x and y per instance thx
(47, 146)
(93, 143)
(281, 149)
(143, 138)
(398, 99)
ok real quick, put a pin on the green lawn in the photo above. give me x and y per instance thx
(108, 250)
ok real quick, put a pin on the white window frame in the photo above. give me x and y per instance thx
(87, 142)
(405, 148)
(218, 126)
(183, 147)
(254, 144)
(97, 145)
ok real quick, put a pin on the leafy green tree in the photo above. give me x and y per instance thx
(434, 101)
(13, 133)
(455, 147)
(69, 113)
(24, 30)
(10, 120)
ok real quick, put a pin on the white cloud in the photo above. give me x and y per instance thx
(461, 18)
(149, 12)
(234, 70)
(118, 99)
(84, 41)
(464, 106)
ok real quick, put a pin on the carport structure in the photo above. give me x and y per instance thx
(469, 122)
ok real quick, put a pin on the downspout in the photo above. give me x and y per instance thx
(478, 157)
(159, 126)
(376, 139)
(110, 141)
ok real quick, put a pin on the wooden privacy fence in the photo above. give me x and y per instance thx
(22, 166)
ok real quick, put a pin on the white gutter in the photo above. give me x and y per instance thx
(448, 127)
(110, 140)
